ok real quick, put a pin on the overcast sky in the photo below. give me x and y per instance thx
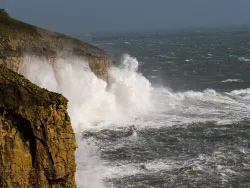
(118, 15)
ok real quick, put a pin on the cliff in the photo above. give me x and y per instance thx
(37, 142)
(18, 38)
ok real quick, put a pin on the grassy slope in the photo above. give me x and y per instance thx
(17, 37)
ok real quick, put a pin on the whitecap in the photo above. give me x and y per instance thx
(231, 80)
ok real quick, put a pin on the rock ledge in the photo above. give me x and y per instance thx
(37, 142)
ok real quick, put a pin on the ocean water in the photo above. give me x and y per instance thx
(175, 112)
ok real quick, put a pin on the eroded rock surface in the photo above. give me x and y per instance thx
(37, 143)
(18, 38)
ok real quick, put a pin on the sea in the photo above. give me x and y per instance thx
(176, 111)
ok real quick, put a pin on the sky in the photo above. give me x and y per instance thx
(85, 16)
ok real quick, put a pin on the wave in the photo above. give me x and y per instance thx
(244, 59)
(240, 92)
(199, 106)
(91, 101)
(231, 80)
(129, 99)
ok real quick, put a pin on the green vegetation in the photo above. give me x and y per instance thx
(17, 36)
(13, 35)
(10, 26)
(3, 13)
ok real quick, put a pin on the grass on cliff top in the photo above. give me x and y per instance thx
(10, 26)
(3, 13)
(17, 34)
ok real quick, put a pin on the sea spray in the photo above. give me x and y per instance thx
(90, 169)
(131, 90)
(127, 99)
(92, 102)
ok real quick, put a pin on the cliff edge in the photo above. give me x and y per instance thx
(37, 142)
(18, 38)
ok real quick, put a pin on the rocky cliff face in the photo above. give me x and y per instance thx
(18, 38)
(37, 142)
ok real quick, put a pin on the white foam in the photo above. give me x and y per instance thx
(198, 106)
(244, 59)
(90, 169)
(90, 100)
(231, 80)
(128, 99)
(239, 92)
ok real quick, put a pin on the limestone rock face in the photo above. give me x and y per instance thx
(37, 143)
(18, 38)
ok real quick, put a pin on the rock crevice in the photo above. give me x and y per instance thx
(37, 142)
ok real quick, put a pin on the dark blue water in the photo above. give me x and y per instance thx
(202, 137)
(188, 59)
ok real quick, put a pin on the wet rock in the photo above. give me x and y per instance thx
(37, 142)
